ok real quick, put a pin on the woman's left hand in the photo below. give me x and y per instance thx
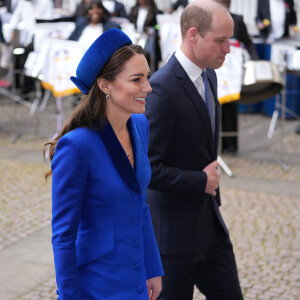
(153, 287)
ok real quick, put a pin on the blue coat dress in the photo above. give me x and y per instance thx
(103, 241)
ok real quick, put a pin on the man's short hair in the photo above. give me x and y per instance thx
(195, 16)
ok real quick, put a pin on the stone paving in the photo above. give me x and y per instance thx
(260, 204)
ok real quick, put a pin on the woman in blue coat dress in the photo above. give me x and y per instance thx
(103, 241)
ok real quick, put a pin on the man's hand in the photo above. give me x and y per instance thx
(153, 287)
(213, 177)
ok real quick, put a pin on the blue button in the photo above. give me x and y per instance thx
(140, 288)
(135, 197)
(136, 244)
(134, 220)
(138, 266)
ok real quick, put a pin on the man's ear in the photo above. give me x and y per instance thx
(193, 35)
(103, 85)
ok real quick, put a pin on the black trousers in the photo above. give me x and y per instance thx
(229, 123)
(213, 272)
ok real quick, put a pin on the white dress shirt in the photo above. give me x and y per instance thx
(277, 11)
(192, 70)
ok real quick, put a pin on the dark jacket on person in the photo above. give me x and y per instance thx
(82, 22)
(263, 12)
(178, 3)
(150, 22)
(181, 144)
(119, 10)
(240, 33)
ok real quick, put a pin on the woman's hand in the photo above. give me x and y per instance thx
(153, 287)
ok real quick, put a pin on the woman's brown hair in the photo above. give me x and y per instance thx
(91, 110)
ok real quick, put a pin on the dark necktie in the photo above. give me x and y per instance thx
(208, 100)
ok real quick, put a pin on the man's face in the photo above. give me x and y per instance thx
(210, 50)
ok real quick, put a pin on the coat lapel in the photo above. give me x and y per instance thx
(118, 155)
(141, 161)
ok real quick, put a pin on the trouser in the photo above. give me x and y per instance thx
(230, 124)
(214, 272)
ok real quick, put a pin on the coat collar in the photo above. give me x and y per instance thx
(135, 178)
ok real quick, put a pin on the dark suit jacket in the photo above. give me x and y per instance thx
(119, 10)
(263, 12)
(150, 21)
(7, 3)
(82, 22)
(241, 34)
(181, 145)
(178, 3)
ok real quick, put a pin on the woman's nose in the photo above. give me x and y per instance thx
(147, 87)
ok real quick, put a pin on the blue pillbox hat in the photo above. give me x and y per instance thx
(97, 56)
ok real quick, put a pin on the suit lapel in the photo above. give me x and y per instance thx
(196, 99)
(118, 156)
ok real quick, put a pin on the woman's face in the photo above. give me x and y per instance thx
(95, 14)
(130, 88)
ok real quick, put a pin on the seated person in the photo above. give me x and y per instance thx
(89, 27)
(275, 18)
(81, 9)
(174, 6)
(115, 8)
(230, 110)
(23, 19)
(143, 16)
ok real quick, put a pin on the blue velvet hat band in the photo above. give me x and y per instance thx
(97, 56)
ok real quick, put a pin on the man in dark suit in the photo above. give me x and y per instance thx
(230, 110)
(183, 113)
(10, 5)
(265, 20)
(119, 9)
(174, 6)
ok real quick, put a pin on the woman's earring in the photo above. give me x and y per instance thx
(107, 97)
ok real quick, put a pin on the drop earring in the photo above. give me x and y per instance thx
(107, 97)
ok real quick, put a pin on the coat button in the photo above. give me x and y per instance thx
(136, 244)
(140, 288)
(137, 267)
(135, 198)
(134, 220)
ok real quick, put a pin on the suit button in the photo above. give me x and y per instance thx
(137, 267)
(140, 288)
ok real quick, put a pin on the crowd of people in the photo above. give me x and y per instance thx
(135, 176)
(275, 19)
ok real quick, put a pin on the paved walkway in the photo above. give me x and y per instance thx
(261, 206)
